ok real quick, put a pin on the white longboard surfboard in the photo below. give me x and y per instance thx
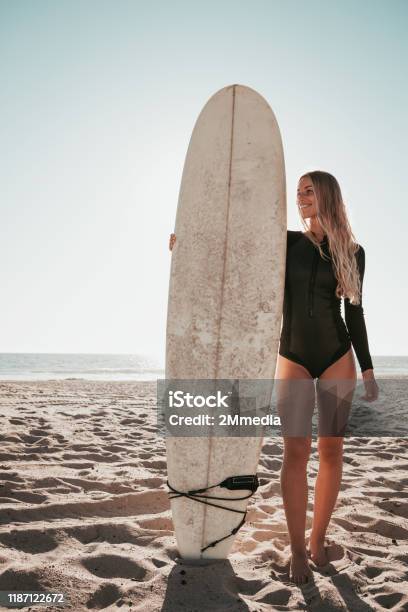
(225, 296)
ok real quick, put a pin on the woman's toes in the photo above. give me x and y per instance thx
(319, 555)
(299, 570)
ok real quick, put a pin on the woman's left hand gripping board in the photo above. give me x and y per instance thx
(172, 241)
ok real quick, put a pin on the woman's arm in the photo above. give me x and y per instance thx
(354, 316)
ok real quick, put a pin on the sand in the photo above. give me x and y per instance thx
(84, 510)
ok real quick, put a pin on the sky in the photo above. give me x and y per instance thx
(98, 100)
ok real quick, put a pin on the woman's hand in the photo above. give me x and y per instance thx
(371, 386)
(172, 241)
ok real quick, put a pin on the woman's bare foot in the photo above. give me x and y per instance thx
(299, 571)
(318, 552)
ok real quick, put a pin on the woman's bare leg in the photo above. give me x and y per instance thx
(294, 489)
(342, 375)
(293, 474)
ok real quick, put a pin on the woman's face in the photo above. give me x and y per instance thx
(306, 198)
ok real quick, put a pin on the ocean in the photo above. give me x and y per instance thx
(57, 366)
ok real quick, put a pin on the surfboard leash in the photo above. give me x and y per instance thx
(233, 483)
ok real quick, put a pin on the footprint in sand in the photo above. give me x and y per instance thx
(394, 507)
(380, 526)
(11, 476)
(105, 596)
(40, 432)
(114, 566)
(389, 601)
(24, 496)
(278, 597)
(271, 490)
(158, 562)
(246, 587)
(154, 464)
(373, 571)
(161, 523)
(20, 580)
(112, 533)
(29, 541)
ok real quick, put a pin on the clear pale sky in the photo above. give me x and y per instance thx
(97, 103)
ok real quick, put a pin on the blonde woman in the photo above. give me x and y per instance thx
(324, 263)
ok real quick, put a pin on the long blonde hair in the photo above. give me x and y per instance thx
(332, 216)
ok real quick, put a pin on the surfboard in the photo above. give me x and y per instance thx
(225, 296)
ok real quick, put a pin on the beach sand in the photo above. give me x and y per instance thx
(84, 511)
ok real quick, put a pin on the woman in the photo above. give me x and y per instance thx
(323, 264)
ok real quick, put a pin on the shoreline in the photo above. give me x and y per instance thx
(154, 380)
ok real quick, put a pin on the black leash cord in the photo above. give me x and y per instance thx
(195, 496)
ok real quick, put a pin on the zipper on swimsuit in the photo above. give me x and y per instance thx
(312, 281)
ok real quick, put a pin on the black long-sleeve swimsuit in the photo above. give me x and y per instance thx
(314, 333)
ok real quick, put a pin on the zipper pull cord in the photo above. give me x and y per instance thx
(311, 283)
